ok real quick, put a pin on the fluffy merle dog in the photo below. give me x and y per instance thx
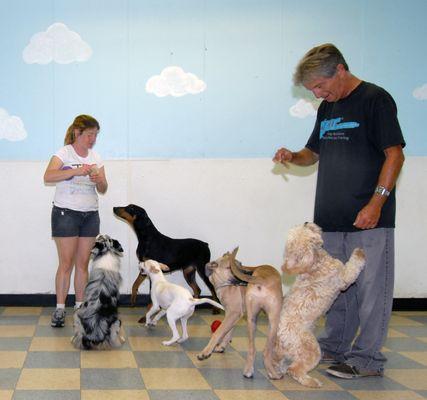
(96, 322)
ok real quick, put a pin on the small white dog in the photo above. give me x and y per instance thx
(170, 299)
(320, 278)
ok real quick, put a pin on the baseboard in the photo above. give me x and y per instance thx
(49, 300)
(410, 304)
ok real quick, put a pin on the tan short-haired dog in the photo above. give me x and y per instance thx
(320, 279)
(263, 292)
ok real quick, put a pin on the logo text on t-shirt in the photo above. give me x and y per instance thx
(335, 124)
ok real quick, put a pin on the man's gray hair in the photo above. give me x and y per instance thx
(320, 61)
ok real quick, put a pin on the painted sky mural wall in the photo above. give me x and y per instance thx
(195, 78)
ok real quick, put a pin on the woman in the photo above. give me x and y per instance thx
(79, 174)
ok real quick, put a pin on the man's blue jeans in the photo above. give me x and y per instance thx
(366, 305)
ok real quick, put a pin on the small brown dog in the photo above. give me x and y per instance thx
(263, 292)
(320, 278)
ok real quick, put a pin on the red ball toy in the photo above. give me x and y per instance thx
(215, 325)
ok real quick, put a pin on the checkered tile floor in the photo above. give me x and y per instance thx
(38, 362)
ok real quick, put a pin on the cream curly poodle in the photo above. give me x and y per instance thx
(319, 280)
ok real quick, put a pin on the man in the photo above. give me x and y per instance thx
(358, 143)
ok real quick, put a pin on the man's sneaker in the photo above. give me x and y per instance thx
(346, 371)
(328, 358)
(58, 318)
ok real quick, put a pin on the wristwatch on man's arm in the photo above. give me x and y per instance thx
(382, 191)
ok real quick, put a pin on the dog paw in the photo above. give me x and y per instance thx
(274, 375)
(248, 372)
(319, 384)
(183, 339)
(359, 256)
(202, 356)
(168, 342)
(313, 383)
(307, 380)
(274, 372)
(219, 349)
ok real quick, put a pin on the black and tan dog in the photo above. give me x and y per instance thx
(190, 255)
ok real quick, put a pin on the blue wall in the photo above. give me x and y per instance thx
(245, 52)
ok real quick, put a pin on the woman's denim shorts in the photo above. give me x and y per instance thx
(69, 223)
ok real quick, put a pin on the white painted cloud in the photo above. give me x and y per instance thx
(420, 93)
(11, 127)
(303, 109)
(173, 81)
(58, 44)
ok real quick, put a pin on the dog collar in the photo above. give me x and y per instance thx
(232, 283)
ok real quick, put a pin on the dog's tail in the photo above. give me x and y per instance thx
(204, 301)
(240, 272)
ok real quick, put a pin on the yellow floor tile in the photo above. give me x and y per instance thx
(115, 395)
(173, 379)
(249, 395)
(385, 395)
(288, 383)
(20, 311)
(199, 331)
(262, 328)
(241, 343)
(410, 313)
(414, 379)
(45, 320)
(228, 359)
(402, 321)
(107, 359)
(151, 344)
(130, 320)
(16, 331)
(49, 379)
(6, 394)
(211, 318)
(51, 344)
(187, 378)
(392, 333)
(12, 359)
(418, 356)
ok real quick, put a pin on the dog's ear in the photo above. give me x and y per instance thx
(313, 227)
(164, 267)
(141, 266)
(96, 249)
(117, 247)
(316, 231)
(153, 269)
(234, 253)
(156, 267)
(210, 267)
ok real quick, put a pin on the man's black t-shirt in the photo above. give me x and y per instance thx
(350, 137)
